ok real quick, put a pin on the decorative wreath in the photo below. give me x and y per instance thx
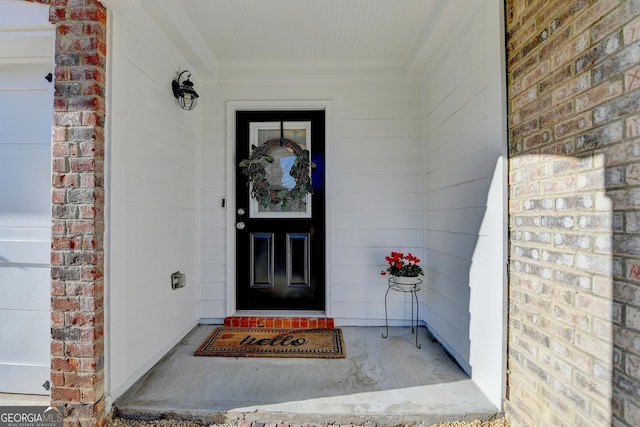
(254, 169)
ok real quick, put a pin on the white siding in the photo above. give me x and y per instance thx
(374, 173)
(152, 206)
(464, 139)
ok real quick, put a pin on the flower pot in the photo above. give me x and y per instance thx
(405, 280)
(405, 284)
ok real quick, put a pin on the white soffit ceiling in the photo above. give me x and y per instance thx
(313, 33)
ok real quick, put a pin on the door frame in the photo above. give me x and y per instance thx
(229, 198)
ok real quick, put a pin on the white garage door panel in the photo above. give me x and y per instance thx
(25, 171)
(25, 228)
(29, 345)
(17, 14)
(12, 107)
(24, 252)
(33, 286)
(27, 379)
(35, 44)
(26, 116)
(25, 78)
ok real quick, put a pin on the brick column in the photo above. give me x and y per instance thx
(77, 256)
(574, 180)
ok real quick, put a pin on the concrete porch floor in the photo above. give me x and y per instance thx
(382, 382)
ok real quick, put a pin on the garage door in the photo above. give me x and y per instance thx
(26, 111)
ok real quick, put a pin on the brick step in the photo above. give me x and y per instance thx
(279, 322)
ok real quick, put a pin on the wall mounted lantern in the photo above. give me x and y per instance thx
(184, 93)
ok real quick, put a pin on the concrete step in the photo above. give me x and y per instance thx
(256, 424)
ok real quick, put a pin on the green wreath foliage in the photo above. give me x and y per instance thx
(254, 169)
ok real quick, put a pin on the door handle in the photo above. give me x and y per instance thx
(240, 225)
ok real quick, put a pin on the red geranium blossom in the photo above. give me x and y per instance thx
(401, 265)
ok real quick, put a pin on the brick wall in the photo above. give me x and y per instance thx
(77, 257)
(574, 188)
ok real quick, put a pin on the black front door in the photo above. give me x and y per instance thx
(280, 232)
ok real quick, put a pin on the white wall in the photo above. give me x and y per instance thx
(465, 143)
(152, 207)
(374, 177)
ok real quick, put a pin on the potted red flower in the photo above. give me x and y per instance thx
(402, 265)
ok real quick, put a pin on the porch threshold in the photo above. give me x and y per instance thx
(279, 320)
(382, 382)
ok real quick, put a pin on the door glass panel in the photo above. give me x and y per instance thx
(298, 260)
(262, 260)
(278, 176)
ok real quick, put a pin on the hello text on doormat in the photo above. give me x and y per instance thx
(259, 342)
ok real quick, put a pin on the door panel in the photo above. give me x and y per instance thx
(262, 261)
(298, 248)
(280, 259)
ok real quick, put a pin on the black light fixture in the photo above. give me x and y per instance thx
(184, 93)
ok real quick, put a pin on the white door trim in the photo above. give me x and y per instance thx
(232, 107)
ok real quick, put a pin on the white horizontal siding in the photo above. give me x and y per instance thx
(382, 219)
(449, 250)
(379, 238)
(472, 194)
(213, 231)
(456, 183)
(452, 269)
(471, 168)
(375, 147)
(401, 165)
(357, 110)
(465, 221)
(459, 244)
(463, 101)
(153, 202)
(376, 128)
(365, 202)
(352, 91)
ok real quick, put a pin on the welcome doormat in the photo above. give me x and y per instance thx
(261, 342)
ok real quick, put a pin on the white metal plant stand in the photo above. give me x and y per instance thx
(404, 284)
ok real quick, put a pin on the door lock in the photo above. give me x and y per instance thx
(240, 211)
(240, 226)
